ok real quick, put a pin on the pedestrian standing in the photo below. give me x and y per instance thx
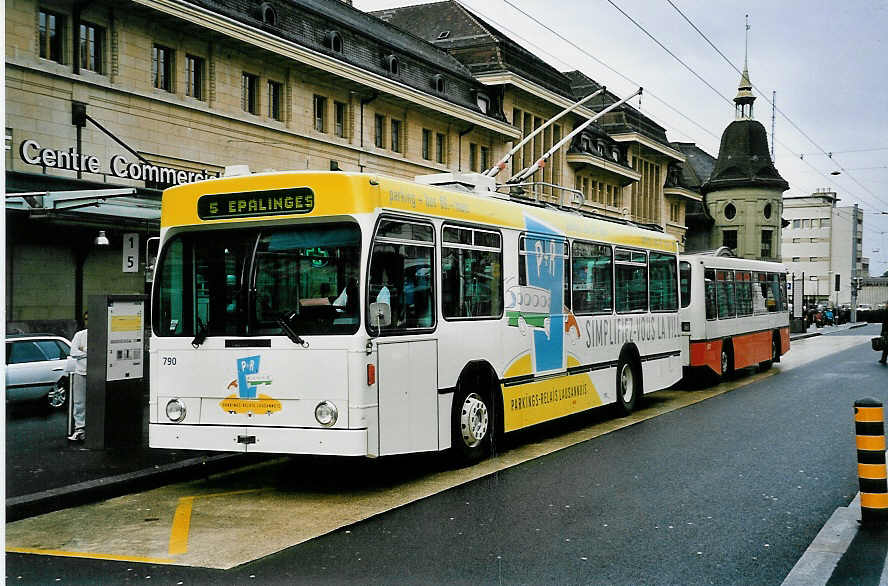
(78, 386)
(884, 334)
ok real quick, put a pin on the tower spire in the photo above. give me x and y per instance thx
(744, 99)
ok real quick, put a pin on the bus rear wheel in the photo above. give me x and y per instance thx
(628, 386)
(727, 361)
(471, 427)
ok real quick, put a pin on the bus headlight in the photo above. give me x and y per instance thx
(175, 410)
(326, 413)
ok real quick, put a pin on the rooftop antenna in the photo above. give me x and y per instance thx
(492, 172)
(541, 162)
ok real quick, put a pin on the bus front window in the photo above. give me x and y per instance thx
(239, 282)
(311, 271)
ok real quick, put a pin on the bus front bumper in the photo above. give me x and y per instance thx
(274, 440)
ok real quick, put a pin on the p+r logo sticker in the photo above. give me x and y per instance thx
(246, 397)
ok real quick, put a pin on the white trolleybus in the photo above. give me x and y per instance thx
(350, 314)
(734, 313)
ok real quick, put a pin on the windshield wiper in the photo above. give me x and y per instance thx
(201, 334)
(284, 321)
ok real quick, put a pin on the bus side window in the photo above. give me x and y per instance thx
(401, 273)
(684, 275)
(711, 305)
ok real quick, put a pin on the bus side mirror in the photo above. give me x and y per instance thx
(380, 315)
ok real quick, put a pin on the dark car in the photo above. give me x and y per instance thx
(35, 368)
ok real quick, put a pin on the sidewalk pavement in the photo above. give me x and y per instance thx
(45, 472)
(843, 552)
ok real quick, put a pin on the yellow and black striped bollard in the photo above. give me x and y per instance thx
(869, 421)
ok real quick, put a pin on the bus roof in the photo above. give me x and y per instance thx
(734, 263)
(340, 193)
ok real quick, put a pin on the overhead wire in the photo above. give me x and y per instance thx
(647, 92)
(765, 97)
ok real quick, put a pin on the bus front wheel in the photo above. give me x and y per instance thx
(471, 427)
(628, 386)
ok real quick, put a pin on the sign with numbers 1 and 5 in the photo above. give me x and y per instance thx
(131, 252)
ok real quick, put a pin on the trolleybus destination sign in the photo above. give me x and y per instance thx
(295, 200)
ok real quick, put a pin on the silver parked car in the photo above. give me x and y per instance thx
(35, 368)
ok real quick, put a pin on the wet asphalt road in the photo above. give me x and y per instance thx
(731, 490)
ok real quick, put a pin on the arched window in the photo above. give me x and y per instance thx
(269, 16)
(393, 65)
(333, 41)
(768, 211)
(439, 83)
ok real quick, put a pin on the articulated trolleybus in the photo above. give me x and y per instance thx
(734, 313)
(351, 314)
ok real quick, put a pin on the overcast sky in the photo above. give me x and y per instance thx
(827, 61)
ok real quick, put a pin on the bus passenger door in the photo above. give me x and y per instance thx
(407, 377)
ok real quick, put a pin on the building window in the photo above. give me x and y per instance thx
(439, 83)
(485, 158)
(393, 65)
(426, 144)
(51, 28)
(766, 244)
(194, 68)
(162, 68)
(333, 41)
(269, 16)
(92, 44)
(796, 224)
(439, 148)
(396, 135)
(806, 223)
(729, 239)
(339, 119)
(473, 156)
(796, 259)
(320, 113)
(730, 211)
(275, 100)
(250, 93)
(483, 102)
(379, 131)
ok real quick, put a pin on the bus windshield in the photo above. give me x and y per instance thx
(239, 282)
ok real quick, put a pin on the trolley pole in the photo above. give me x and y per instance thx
(869, 421)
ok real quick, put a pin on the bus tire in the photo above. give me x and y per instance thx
(727, 360)
(628, 384)
(775, 355)
(471, 436)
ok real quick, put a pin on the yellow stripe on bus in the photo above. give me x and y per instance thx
(535, 402)
(339, 194)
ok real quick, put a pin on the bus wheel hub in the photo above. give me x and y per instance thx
(473, 420)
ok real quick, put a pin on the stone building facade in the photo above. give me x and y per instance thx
(154, 93)
(109, 102)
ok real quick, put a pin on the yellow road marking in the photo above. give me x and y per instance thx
(91, 555)
(181, 526)
(182, 519)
